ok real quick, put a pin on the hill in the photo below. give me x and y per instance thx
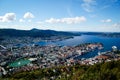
(104, 34)
(33, 33)
(101, 71)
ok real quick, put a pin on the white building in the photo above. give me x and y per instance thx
(114, 48)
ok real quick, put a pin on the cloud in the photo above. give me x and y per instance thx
(95, 5)
(28, 15)
(88, 5)
(116, 25)
(106, 21)
(67, 20)
(8, 17)
(21, 20)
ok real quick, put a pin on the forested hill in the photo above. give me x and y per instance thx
(33, 33)
(101, 71)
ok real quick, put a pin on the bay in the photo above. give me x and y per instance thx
(107, 42)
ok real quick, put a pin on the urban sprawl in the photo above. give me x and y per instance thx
(15, 58)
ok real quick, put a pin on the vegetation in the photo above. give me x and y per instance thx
(104, 34)
(101, 71)
(117, 52)
(33, 33)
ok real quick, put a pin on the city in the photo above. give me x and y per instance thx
(16, 58)
(59, 39)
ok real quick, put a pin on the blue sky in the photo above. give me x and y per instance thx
(61, 15)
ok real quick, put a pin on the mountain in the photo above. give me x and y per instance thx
(104, 34)
(33, 33)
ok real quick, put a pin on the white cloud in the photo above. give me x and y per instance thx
(1, 18)
(28, 15)
(88, 5)
(8, 17)
(73, 20)
(52, 20)
(116, 25)
(21, 20)
(106, 21)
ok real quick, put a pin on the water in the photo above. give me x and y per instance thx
(108, 42)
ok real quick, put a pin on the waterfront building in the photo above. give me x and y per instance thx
(114, 48)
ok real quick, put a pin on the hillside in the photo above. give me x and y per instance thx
(101, 71)
(104, 34)
(33, 33)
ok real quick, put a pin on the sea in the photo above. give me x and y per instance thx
(107, 42)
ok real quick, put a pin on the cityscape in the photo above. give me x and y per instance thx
(59, 40)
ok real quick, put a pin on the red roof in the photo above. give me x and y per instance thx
(102, 57)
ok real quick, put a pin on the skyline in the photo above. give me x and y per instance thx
(62, 15)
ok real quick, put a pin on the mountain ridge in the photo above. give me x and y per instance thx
(33, 33)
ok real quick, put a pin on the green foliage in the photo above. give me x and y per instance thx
(101, 71)
(33, 33)
(117, 52)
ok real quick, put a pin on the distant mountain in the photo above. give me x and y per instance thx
(34, 29)
(33, 33)
(105, 34)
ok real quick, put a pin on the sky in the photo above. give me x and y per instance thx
(61, 15)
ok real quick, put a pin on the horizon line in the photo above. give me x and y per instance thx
(63, 30)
